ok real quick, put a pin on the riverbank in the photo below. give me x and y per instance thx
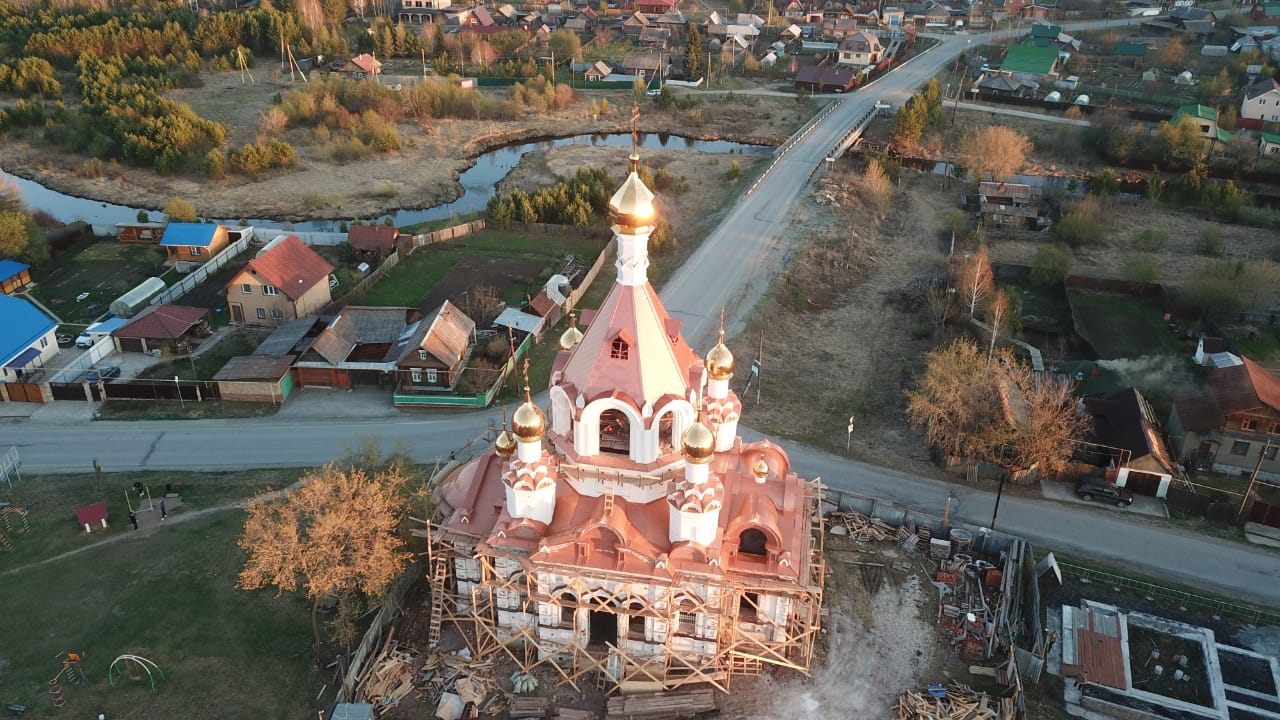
(423, 174)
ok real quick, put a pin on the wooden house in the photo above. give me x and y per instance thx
(193, 242)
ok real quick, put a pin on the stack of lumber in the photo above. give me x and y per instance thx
(573, 714)
(954, 702)
(389, 678)
(861, 527)
(679, 703)
(528, 706)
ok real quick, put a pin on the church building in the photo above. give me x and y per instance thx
(630, 536)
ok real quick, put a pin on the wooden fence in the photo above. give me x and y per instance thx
(201, 273)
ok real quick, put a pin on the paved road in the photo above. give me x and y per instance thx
(733, 266)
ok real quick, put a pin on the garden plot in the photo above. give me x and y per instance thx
(79, 285)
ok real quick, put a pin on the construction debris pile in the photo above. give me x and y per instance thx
(859, 527)
(956, 701)
(451, 683)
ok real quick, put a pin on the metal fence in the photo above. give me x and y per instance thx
(1252, 614)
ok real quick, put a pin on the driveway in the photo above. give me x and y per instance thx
(1066, 492)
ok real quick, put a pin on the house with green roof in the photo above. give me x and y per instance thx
(1030, 60)
(1131, 49)
(1043, 34)
(1206, 118)
(1269, 145)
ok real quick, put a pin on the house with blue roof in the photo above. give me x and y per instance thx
(194, 242)
(27, 339)
(14, 276)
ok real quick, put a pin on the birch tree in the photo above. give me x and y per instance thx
(997, 316)
(976, 281)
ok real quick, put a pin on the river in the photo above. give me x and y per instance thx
(478, 183)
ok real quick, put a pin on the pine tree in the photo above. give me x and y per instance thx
(693, 55)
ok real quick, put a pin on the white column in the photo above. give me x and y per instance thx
(717, 389)
(633, 258)
(529, 452)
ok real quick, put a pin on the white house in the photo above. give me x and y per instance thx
(860, 49)
(1262, 101)
(28, 338)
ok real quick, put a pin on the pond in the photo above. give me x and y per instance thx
(478, 183)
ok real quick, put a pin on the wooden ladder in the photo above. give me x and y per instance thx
(608, 503)
(440, 572)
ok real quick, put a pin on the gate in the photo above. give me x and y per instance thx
(24, 392)
(1265, 514)
(1140, 483)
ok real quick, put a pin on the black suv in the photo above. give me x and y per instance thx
(1091, 488)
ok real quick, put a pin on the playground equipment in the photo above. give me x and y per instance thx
(70, 671)
(91, 516)
(12, 516)
(132, 667)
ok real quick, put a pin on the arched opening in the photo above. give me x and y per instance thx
(603, 540)
(603, 628)
(752, 542)
(666, 434)
(687, 618)
(615, 432)
(635, 621)
(749, 607)
(568, 607)
(619, 349)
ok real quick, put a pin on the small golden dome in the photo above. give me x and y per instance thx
(505, 444)
(760, 469)
(572, 336)
(632, 206)
(720, 361)
(698, 443)
(528, 422)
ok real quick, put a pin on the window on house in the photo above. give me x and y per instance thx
(1270, 454)
(195, 251)
(1248, 424)
(422, 354)
(416, 374)
(246, 288)
(686, 619)
(44, 342)
(567, 609)
(1274, 428)
(635, 621)
(277, 314)
(262, 313)
(269, 290)
(619, 350)
(1239, 448)
(432, 376)
(752, 542)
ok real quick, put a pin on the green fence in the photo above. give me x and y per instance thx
(479, 401)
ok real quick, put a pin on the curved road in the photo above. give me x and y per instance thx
(732, 268)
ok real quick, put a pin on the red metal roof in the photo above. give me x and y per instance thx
(291, 267)
(372, 238)
(1098, 648)
(163, 322)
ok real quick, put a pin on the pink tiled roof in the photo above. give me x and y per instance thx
(291, 267)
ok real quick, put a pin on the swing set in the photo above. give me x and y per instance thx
(132, 667)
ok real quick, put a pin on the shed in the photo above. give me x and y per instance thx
(162, 326)
(256, 378)
(14, 276)
(128, 304)
(517, 319)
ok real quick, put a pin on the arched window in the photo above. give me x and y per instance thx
(615, 432)
(635, 620)
(619, 350)
(568, 606)
(752, 542)
(666, 434)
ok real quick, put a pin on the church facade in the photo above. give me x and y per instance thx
(632, 535)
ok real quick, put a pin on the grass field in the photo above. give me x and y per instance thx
(420, 275)
(168, 595)
(105, 269)
(1120, 326)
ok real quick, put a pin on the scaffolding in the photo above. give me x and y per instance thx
(745, 640)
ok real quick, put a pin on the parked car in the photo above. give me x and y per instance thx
(84, 340)
(1091, 489)
(884, 105)
(64, 339)
(101, 373)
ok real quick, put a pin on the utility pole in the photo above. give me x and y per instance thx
(1262, 454)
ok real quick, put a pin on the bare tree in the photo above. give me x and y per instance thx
(976, 281)
(997, 316)
(336, 536)
(937, 304)
(995, 151)
(1053, 422)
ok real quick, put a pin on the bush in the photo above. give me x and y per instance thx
(1210, 242)
(215, 165)
(1050, 265)
(1151, 240)
(1140, 270)
(734, 172)
(91, 168)
(179, 210)
(1076, 229)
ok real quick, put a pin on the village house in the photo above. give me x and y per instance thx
(437, 352)
(255, 378)
(193, 242)
(630, 532)
(1269, 145)
(1126, 427)
(373, 243)
(644, 64)
(1232, 423)
(1012, 204)
(632, 26)
(1265, 13)
(28, 339)
(1205, 118)
(1261, 104)
(286, 280)
(860, 49)
(599, 70)
(675, 23)
(361, 67)
(826, 78)
(14, 276)
(419, 12)
(655, 37)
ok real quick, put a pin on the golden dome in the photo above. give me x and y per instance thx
(720, 361)
(572, 336)
(505, 444)
(528, 422)
(632, 206)
(760, 469)
(698, 443)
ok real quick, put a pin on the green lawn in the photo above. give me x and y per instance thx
(1265, 348)
(417, 276)
(168, 595)
(1121, 326)
(104, 268)
(207, 364)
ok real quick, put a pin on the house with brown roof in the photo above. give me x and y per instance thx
(1232, 423)
(1126, 427)
(373, 242)
(632, 26)
(644, 64)
(256, 378)
(361, 67)
(163, 327)
(437, 352)
(286, 280)
(599, 70)
(860, 49)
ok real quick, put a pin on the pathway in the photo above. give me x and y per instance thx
(1022, 114)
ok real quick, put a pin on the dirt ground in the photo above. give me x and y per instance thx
(423, 173)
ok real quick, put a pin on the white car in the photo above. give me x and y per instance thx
(84, 340)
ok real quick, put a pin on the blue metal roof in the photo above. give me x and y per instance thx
(109, 325)
(24, 358)
(189, 234)
(23, 326)
(11, 268)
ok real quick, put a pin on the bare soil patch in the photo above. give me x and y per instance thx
(423, 174)
(501, 274)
